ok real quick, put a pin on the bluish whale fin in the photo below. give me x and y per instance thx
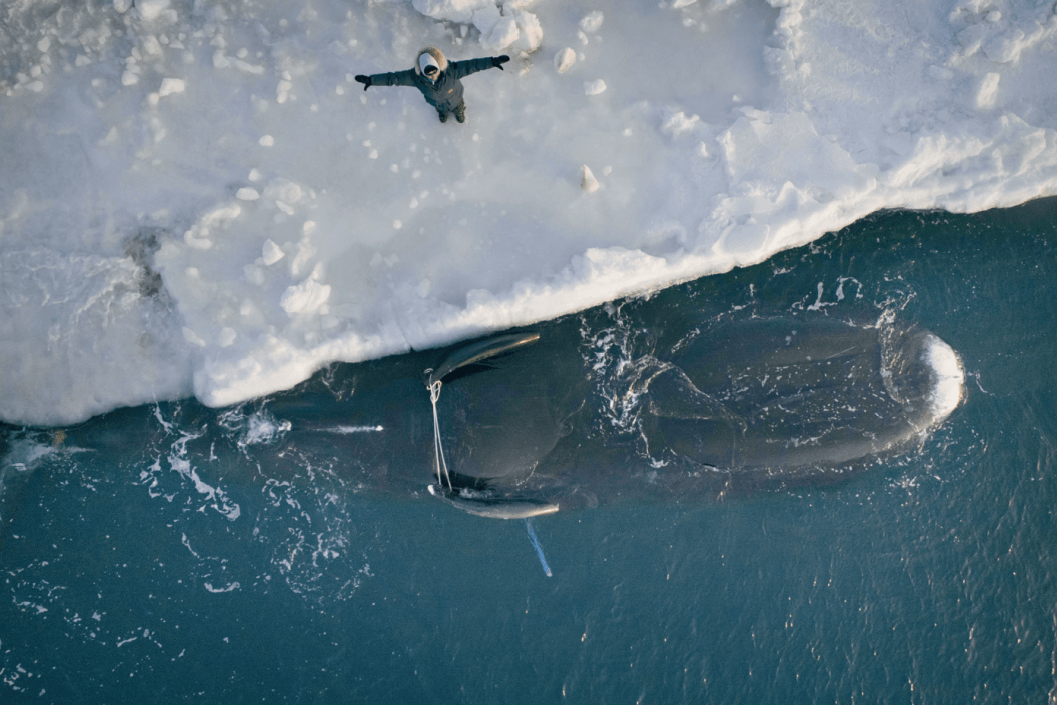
(539, 549)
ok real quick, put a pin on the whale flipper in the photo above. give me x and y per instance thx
(494, 508)
(481, 350)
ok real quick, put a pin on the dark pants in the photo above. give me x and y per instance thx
(459, 112)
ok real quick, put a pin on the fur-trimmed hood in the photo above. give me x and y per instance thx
(438, 56)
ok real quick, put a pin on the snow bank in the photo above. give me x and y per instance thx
(196, 196)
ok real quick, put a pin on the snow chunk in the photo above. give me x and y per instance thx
(972, 37)
(1006, 47)
(678, 124)
(485, 18)
(987, 93)
(451, 10)
(249, 68)
(271, 253)
(283, 190)
(151, 46)
(247, 193)
(592, 22)
(150, 10)
(193, 338)
(594, 87)
(564, 60)
(198, 236)
(512, 28)
(588, 182)
(170, 86)
(503, 34)
(530, 33)
(304, 298)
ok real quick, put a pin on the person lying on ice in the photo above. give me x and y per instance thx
(437, 79)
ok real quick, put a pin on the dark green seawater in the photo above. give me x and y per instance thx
(159, 571)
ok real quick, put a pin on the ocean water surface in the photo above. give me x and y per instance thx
(172, 552)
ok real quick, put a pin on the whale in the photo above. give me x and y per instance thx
(528, 426)
(527, 423)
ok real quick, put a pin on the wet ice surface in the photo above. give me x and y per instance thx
(196, 198)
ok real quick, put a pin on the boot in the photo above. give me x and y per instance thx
(443, 116)
(460, 112)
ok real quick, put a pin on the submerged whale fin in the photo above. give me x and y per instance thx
(492, 508)
(476, 352)
(675, 396)
(539, 549)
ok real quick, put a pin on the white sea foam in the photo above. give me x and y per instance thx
(294, 219)
(346, 430)
(948, 376)
(23, 455)
(262, 428)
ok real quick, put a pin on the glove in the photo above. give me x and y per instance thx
(498, 61)
(365, 80)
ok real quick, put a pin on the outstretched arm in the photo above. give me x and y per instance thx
(398, 78)
(458, 69)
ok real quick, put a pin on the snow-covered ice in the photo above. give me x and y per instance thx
(196, 197)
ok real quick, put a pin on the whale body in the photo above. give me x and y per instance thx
(534, 422)
(529, 426)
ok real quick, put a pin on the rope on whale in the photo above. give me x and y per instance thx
(438, 446)
(473, 353)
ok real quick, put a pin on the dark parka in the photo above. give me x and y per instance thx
(444, 94)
